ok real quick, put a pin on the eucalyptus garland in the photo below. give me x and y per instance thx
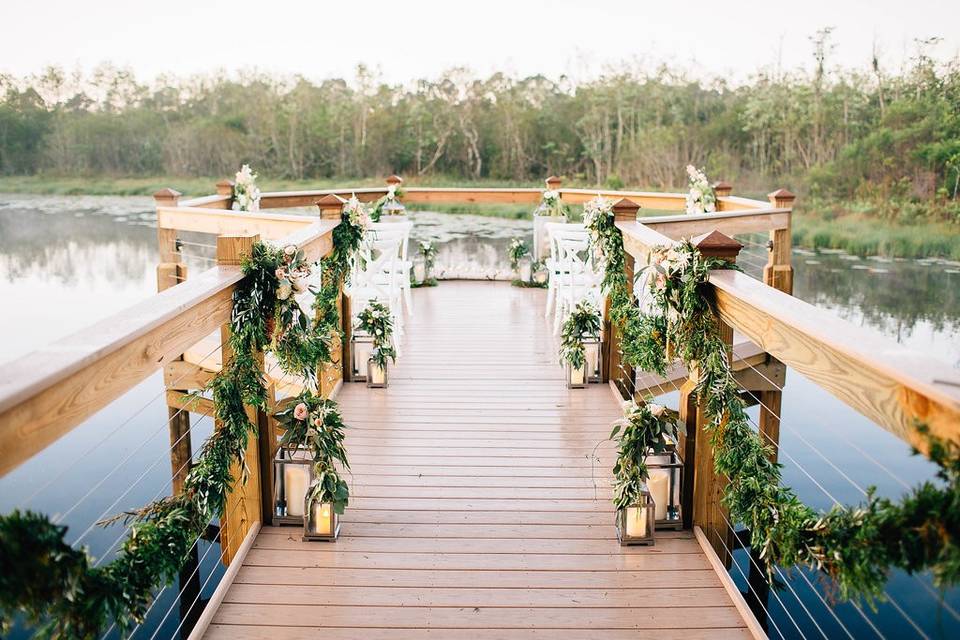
(645, 429)
(376, 321)
(58, 589)
(855, 546)
(583, 322)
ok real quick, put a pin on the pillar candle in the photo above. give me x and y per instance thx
(321, 518)
(592, 353)
(659, 484)
(576, 375)
(636, 522)
(296, 477)
(378, 374)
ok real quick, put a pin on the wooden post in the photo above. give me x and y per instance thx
(331, 208)
(721, 189)
(225, 188)
(702, 497)
(623, 210)
(243, 507)
(170, 271)
(778, 272)
(553, 183)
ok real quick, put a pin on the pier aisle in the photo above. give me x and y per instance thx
(480, 501)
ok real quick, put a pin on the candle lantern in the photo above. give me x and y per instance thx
(579, 377)
(320, 521)
(635, 523)
(576, 376)
(292, 477)
(525, 268)
(376, 375)
(392, 210)
(541, 275)
(419, 270)
(666, 476)
(361, 348)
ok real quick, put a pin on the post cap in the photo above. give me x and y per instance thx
(722, 188)
(717, 245)
(167, 196)
(394, 179)
(225, 188)
(781, 196)
(625, 209)
(330, 206)
(553, 183)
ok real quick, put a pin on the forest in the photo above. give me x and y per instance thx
(874, 142)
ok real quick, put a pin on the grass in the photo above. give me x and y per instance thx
(846, 226)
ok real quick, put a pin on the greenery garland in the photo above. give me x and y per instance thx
(551, 205)
(517, 250)
(375, 320)
(393, 194)
(59, 590)
(855, 546)
(583, 321)
(645, 429)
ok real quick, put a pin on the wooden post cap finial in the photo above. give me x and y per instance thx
(625, 210)
(553, 183)
(331, 205)
(717, 245)
(167, 197)
(781, 198)
(225, 188)
(394, 179)
(722, 188)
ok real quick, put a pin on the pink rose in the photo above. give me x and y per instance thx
(317, 422)
(280, 273)
(300, 412)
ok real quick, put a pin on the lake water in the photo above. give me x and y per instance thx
(66, 262)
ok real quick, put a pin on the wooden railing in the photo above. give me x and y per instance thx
(47, 393)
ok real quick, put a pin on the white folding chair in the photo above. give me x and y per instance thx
(553, 263)
(403, 266)
(368, 283)
(578, 279)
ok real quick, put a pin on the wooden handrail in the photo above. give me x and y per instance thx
(891, 385)
(486, 195)
(269, 226)
(46, 393)
(729, 223)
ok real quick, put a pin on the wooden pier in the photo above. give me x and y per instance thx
(480, 504)
(480, 490)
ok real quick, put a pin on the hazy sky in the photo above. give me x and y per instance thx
(405, 39)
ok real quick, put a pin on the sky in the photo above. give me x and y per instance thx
(404, 40)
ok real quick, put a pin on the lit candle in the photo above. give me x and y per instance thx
(296, 477)
(419, 271)
(378, 375)
(659, 484)
(321, 519)
(576, 375)
(526, 270)
(361, 354)
(592, 355)
(636, 522)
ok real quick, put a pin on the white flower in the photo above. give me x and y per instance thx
(290, 250)
(284, 291)
(656, 410)
(391, 192)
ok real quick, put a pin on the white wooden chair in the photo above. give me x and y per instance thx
(403, 266)
(368, 283)
(577, 278)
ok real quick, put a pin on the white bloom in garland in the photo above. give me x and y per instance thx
(357, 213)
(700, 197)
(594, 213)
(246, 194)
(550, 204)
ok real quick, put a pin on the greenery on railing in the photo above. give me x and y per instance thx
(551, 205)
(583, 321)
(376, 322)
(854, 546)
(645, 429)
(392, 197)
(59, 589)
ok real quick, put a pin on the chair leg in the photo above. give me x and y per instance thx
(408, 300)
(551, 296)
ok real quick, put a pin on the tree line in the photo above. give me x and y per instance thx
(867, 131)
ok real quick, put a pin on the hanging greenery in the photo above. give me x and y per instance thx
(583, 321)
(376, 321)
(517, 250)
(57, 588)
(388, 203)
(551, 205)
(855, 546)
(645, 429)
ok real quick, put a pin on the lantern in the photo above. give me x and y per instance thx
(541, 275)
(664, 484)
(525, 269)
(579, 377)
(392, 210)
(419, 270)
(361, 348)
(576, 376)
(320, 521)
(636, 523)
(292, 477)
(376, 375)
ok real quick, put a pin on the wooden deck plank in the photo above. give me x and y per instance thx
(480, 500)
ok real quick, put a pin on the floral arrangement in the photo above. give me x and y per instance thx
(517, 250)
(71, 598)
(314, 424)
(583, 322)
(429, 253)
(854, 546)
(700, 196)
(246, 194)
(376, 321)
(551, 205)
(357, 213)
(392, 197)
(645, 429)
